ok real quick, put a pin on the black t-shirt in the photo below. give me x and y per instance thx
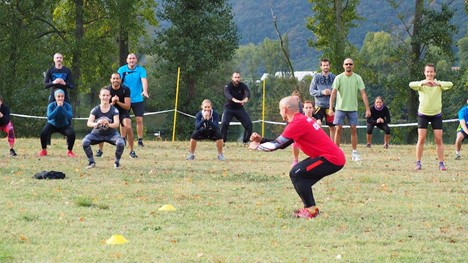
(123, 92)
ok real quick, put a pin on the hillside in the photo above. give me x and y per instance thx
(255, 23)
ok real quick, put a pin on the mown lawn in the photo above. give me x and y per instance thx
(378, 210)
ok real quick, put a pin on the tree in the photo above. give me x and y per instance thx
(330, 25)
(201, 35)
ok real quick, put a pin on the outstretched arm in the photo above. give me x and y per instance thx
(270, 145)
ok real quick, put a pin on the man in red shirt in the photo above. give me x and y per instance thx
(324, 157)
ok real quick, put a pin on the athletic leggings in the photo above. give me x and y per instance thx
(308, 172)
(94, 138)
(10, 131)
(66, 131)
(244, 119)
(383, 126)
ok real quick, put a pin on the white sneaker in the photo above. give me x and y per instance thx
(190, 157)
(221, 157)
(355, 157)
(457, 156)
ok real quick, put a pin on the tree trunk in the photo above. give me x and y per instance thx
(76, 67)
(123, 46)
(415, 67)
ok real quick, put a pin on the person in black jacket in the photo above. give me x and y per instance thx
(237, 94)
(380, 118)
(7, 126)
(58, 77)
(206, 128)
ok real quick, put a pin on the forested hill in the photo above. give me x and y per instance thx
(255, 23)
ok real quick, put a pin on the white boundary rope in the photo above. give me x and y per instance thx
(232, 123)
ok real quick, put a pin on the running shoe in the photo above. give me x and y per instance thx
(43, 152)
(190, 157)
(305, 213)
(133, 154)
(368, 145)
(140, 143)
(442, 166)
(91, 165)
(385, 146)
(12, 152)
(71, 154)
(418, 165)
(220, 157)
(355, 157)
(99, 153)
(457, 156)
(116, 165)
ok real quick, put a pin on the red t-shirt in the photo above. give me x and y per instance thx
(312, 140)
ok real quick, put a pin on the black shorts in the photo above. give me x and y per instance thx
(138, 108)
(212, 135)
(123, 115)
(321, 114)
(464, 135)
(436, 121)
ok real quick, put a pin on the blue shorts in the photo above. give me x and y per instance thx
(352, 117)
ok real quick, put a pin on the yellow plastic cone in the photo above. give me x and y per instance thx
(167, 208)
(116, 240)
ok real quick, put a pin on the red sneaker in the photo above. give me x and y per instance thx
(305, 213)
(43, 152)
(71, 154)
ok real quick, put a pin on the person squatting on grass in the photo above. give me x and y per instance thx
(206, 128)
(308, 110)
(324, 156)
(462, 130)
(120, 98)
(104, 119)
(430, 110)
(7, 126)
(59, 114)
(380, 118)
(237, 94)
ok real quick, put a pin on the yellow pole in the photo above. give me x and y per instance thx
(176, 101)
(263, 108)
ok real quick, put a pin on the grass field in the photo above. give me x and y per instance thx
(379, 210)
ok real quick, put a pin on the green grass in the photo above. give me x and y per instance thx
(239, 210)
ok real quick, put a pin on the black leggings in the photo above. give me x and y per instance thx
(244, 119)
(308, 172)
(383, 126)
(66, 131)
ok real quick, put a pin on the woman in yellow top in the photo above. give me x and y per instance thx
(430, 110)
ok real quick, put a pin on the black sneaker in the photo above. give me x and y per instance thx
(116, 165)
(140, 143)
(133, 154)
(12, 152)
(91, 165)
(99, 153)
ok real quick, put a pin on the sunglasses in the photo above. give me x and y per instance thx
(348, 64)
